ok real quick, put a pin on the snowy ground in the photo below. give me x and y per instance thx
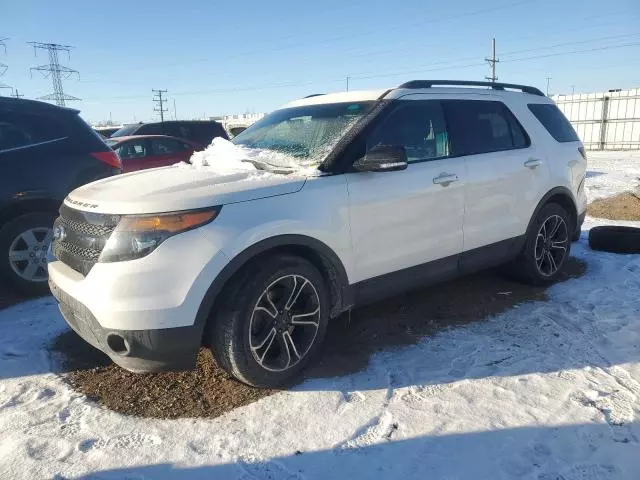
(547, 391)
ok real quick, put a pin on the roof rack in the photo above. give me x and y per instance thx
(471, 83)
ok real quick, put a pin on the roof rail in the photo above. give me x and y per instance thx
(471, 83)
(314, 95)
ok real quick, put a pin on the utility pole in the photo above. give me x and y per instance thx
(347, 84)
(548, 80)
(55, 71)
(17, 94)
(492, 61)
(573, 89)
(159, 101)
(175, 112)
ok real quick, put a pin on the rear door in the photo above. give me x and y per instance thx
(34, 154)
(409, 218)
(505, 173)
(135, 154)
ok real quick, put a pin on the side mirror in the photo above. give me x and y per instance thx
(383, 159)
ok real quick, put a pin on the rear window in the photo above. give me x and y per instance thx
(21, 129)
(126, 131)
(554, 121)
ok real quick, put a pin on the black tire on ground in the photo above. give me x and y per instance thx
(615, 239)
(526, 267)
(8, 233)
(232, 340)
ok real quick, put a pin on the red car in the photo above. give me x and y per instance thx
(149, 151)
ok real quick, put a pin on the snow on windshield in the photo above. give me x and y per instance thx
(223, 157)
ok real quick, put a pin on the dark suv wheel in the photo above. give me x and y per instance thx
(272, 321)
(24, 242)
(547, 246)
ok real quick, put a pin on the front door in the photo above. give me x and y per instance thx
(413, 217)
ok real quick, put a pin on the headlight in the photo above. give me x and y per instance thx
(138, 235)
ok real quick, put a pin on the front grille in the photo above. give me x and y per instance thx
(80, 237)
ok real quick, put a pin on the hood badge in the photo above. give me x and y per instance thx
(82, 204)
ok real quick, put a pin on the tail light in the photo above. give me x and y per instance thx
(110, 158)
(582, 152)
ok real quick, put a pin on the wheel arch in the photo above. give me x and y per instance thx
(318, 253)
(563, 197)
(31, 205)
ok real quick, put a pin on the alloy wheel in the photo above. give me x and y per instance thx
(551, 245)
(284, 323)
(28, 254)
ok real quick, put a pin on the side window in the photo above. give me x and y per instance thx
(418, 126)
(166, 146)
(479, 126)
(132, 150)
(554, 121)
(22, 129)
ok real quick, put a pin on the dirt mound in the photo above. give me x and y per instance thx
(208, 391)
(624, 206)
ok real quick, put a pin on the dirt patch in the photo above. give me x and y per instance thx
(351, 339)
(624, 206)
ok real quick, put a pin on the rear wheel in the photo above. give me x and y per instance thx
(24, 242)
(546, 248)
(272, 320)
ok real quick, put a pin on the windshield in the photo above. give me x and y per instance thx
(110, 142)
(305, 134)
(126, 131)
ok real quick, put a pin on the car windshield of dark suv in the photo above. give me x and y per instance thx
(304, 134)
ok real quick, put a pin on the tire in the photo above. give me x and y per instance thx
(14, 271)
(541, 259)
(249, 342)
(615, 239)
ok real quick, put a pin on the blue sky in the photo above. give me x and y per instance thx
(232, 57)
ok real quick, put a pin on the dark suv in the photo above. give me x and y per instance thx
(45, 152)
(200, 132)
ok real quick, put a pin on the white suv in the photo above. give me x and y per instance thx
(336, 200)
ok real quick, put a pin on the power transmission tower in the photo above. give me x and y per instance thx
(159, 101)
(4, 66)
(492, 61)
(55, 71)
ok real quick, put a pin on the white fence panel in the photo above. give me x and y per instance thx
(604, 120)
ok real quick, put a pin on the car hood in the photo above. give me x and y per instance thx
(178, 187)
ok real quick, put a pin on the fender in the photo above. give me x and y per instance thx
(341, 292)
(557, 191)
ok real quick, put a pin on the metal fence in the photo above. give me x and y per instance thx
(604, 121)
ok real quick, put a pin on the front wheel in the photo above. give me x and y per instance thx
(273, 318)
(24, 242)
(546, 248)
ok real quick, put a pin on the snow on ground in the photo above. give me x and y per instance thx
(548, 390)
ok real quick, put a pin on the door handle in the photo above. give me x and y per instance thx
(533, 163)
(445, 179)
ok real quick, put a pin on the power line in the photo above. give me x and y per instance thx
(55, 71)
(159, 101)
(492, 62)
(446, 65)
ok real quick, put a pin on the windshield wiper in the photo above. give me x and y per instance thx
(260, 165)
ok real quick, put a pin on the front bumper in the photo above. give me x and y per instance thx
(156, 350)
